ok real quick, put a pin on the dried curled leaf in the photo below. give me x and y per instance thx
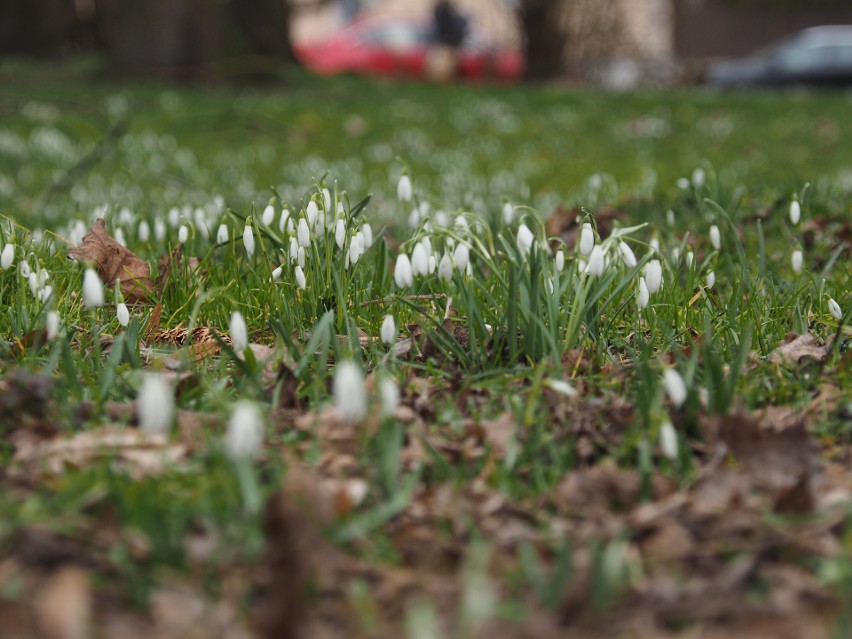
(114, 262)
(798, 347)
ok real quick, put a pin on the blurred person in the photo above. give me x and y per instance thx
(449, 30)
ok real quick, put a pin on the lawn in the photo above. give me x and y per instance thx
(353, 358)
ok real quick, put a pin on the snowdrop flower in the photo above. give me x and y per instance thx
(388, 330)
(326, 199)
(174, 216)
(340, 233)
(404, 189)
(159, 230)
(304, 232)
(301, 281)
(711, 279)
(668, 440)
(402, 274)
(587, 239)
(183, 234)
(699, 177)
(350, 397)
(33, 282)
(367, 234)
(525, 239)
(670, 217)
(51, 325)
(795, 212)
(796, 260)
(596, 262)
(244, 437)
(300, 257)
(461, 256)
(93, 290)
(675, 387)
(45, 293)
(7, 257)
(122, 313)
(276, 273)
(642, 296)
(834, 308)
(312, 212)
(655, 245)
(293, 251)
(285, 219)
(508, 213)
(682, 183)
(239, 332)
(627, 254)
(715, 237)
(689, 259)
(419, 260)
(268, 215)
(144, 231)
(561, 386)
(560, 260)
(222, 234)
(155, 405)
(248, 239)
(445, 268)
(389, 392)
(356, 248)
(654, 276)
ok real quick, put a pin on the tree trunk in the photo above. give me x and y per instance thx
(543, 38)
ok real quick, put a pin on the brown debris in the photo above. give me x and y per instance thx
(798, 347)
(114, 262)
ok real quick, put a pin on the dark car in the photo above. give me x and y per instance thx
(819, 57)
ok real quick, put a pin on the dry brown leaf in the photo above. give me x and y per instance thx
(499, 432)
(114, 262)
(132, 451)
(797, 347)
(63, 605)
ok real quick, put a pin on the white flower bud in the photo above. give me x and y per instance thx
(834, 309)
(699, 178)
(7, 258)
(304, 233)
(795, 212)
(222, 234)
(461, 256)
(654, 276)
(419, 260)
(367, 234)
(340, 233)
(642, 295)
(445, 268)
(159, 230)
(675, 387)
(796, 260)
(285, 218)
(174, 216)
(715, 237)
(312, 212)
(301, 281)
(144, 231)
(560, 260)
(51, 324)
(155, 405)
(390, 396)
(300, 257)
(268, 215)
(326, 199)
(32, 280)
(244, 438)
(350, 397)
(711, 279)
(404, 190)
(402, 274)
(276, 273)
(239, 332)
(682, 183)
(93, 290)
(596, 262)
(122, 313)
(524, 239)
(183, 234)
(388, 330)
(668, 440)
(587, 239)
(508, 213)
(627, 254)
(248, 239)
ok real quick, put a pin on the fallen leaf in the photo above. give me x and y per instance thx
(499, 432)
(114, 262)
(63, 605)
(798, 347)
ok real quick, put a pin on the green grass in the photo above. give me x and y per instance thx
(498, 338)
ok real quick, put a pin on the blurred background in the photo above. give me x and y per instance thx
(616, 43)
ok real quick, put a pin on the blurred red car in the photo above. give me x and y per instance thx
(384, 45)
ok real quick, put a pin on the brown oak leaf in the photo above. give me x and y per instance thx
(114, 262)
